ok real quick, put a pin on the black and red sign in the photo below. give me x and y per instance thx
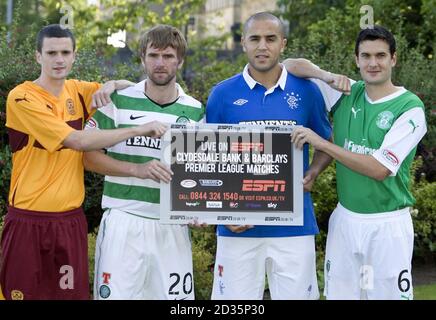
(234, 174)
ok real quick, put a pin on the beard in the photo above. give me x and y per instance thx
(161, 81)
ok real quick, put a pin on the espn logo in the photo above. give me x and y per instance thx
(273, 128)
(224, 218)
(264, 185)
(246, 146)
(174, 217)
(272, 218)
(224, 127)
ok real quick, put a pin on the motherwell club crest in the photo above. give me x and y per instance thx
(70, 106)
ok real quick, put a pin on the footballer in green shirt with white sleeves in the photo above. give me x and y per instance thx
(377, 127)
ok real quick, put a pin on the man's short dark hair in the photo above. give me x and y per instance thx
(378, 32)
(53, 31)
(261, 16)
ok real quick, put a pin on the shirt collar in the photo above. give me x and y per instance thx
(280, 83)
(398, 93)
(140, 86)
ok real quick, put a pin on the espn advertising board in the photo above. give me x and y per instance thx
(232, 174)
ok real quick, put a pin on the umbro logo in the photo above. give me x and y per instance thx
(132, 117)
(240, 102)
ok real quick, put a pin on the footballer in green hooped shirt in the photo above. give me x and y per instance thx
(377, 128)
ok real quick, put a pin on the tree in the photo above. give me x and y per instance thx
(415, 19)
(302, 13)
(329, 41)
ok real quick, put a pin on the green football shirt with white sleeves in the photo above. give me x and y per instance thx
(389, 129)
(131, 107)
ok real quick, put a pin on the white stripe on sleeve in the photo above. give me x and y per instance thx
(402, 137)
(330, 95)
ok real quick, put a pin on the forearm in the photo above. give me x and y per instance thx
(97, 161)
(88, 140)
(320, 161)
(121, 84)
(363, 164)
(303, 68)
(103, 96)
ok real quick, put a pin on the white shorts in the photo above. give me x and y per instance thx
(139, 258)
(369, 256)
(241, 263)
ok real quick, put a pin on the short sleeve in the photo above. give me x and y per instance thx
(104, 118)
(86, 90)
(28, 114)
(319, 121)
(330, 95)
(402, 137)
(202, 116)
(213, 107)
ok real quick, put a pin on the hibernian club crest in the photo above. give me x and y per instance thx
(385, 120)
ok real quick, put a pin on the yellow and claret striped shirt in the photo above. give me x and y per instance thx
(46, 176)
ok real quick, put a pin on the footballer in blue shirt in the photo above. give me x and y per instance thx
(265, 93)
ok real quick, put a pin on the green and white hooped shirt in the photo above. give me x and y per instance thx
(389, 129)
(131, 107)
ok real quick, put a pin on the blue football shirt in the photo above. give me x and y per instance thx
(292, 101)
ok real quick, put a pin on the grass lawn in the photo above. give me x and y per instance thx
(422, 292)
(425, 292)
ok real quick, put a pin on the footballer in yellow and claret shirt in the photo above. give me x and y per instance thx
(47, 176)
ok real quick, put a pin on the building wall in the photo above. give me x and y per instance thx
(218, 16)
(250, 7)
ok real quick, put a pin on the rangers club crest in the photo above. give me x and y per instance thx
(292, 100)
